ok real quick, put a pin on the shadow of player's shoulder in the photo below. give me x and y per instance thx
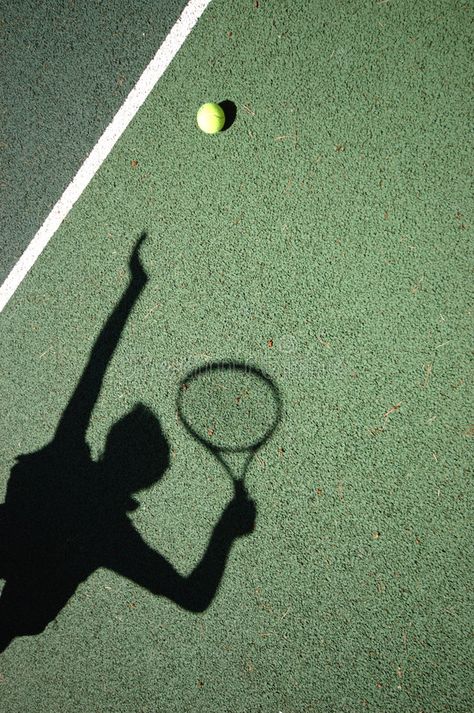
(50, 462)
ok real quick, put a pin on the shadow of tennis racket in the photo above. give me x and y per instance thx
(232, 409)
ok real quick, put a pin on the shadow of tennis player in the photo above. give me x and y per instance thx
(66, 515)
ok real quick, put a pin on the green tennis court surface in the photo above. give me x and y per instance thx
(66, 69)
(325, 240)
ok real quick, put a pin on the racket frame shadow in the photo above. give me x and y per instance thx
(219, 452)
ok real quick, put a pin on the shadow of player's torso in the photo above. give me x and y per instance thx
(62, 519)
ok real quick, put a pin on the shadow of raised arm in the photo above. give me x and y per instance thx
(75, 418)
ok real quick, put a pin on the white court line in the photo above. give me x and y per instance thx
(158, 65)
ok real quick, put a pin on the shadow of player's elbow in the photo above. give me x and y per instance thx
(195, 602)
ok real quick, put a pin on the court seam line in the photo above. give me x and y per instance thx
(125, 114)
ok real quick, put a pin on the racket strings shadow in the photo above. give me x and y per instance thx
(224, 382)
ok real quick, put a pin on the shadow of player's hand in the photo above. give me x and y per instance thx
(240, 514)
(138, 274)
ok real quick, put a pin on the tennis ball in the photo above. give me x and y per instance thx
(210, 118)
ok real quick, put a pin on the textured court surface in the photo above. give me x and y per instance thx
(66, 69)
(324, 238)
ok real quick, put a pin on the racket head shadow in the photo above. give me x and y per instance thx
(229, 407)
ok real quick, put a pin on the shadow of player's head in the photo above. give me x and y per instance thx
(136, 452)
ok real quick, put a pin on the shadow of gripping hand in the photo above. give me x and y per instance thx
(241, 512)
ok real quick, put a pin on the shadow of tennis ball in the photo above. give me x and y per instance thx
(230, 111)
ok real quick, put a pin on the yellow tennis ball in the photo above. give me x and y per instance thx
(211, 118)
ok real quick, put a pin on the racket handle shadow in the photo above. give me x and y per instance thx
(240, 489)
(243, 510)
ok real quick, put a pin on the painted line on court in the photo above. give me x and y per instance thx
(155, 69)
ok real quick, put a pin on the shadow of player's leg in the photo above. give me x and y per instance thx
(28, 605)
(6, 625)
